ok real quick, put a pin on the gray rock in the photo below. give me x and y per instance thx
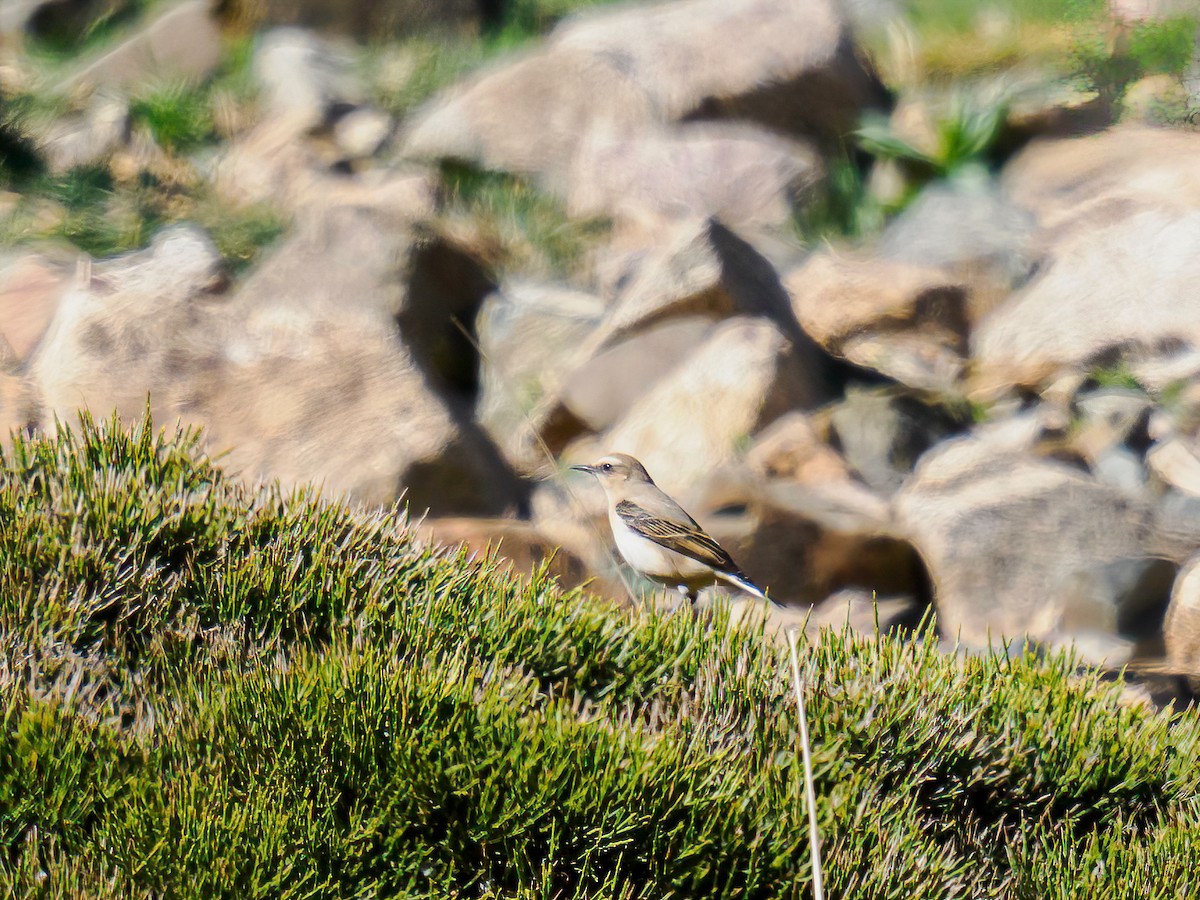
(882, 434)
(89, 137)
(1005, 534)
(302, 78)
(972, 232)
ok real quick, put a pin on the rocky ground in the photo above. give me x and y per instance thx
(895, 309)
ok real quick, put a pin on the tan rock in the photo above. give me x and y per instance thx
(791, 449)
(593, 394)
(694, 268)
(908, 322)
(745, 177)
(838, 296)
(314, 387)
(557, 94)
(31, 287)
(743, 377)
(183, 40)
(1104, 288)
(369, 19)
(1181, 629)
(1100, 178)
(529, 334)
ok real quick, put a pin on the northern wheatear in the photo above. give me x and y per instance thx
(656, 537)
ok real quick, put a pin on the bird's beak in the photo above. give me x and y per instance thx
(591, 470)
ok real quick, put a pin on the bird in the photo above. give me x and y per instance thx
(657, 538)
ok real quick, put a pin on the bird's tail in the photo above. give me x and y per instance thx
(739, 580)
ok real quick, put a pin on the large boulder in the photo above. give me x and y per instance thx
(1008, 536)
(745, 375)
(1125, 283)
(787, 65)
(301, 385)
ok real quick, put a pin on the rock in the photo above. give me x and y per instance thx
(301, 78)
(181, 41)
(1101, 178)
(1181, 630)
(805, 541)
(791, 449)
(523, 547)
(1110, 418)
(18, 406)
(127, 325)
(31, 288)
(64, 23)
(88, 138)
(906, 321)
(528, 334)
(371, 20)
(1127, 597)
(296, 386)
(1175, 462)
(977, 236)
(1102, 289)
(881, 434)
(697, 268)
(594, 393)
(362, 132)
(743, 377)
(1005, 534)
(746, 178)
(362, 258)
(790, 67)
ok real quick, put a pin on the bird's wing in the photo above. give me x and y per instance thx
(679, 533)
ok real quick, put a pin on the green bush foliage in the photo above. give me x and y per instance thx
(209, 690)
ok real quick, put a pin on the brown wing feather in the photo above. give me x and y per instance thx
(684, 537)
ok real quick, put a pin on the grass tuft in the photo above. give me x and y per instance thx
(212, 690)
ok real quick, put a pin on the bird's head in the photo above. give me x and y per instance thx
(616, 469)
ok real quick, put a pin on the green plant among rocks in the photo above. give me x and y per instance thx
(209, 689)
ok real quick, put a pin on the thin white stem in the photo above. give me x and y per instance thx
(810, 796)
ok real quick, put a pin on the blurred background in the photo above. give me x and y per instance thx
(898, 298)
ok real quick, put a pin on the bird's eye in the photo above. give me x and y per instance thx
(607, 467)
